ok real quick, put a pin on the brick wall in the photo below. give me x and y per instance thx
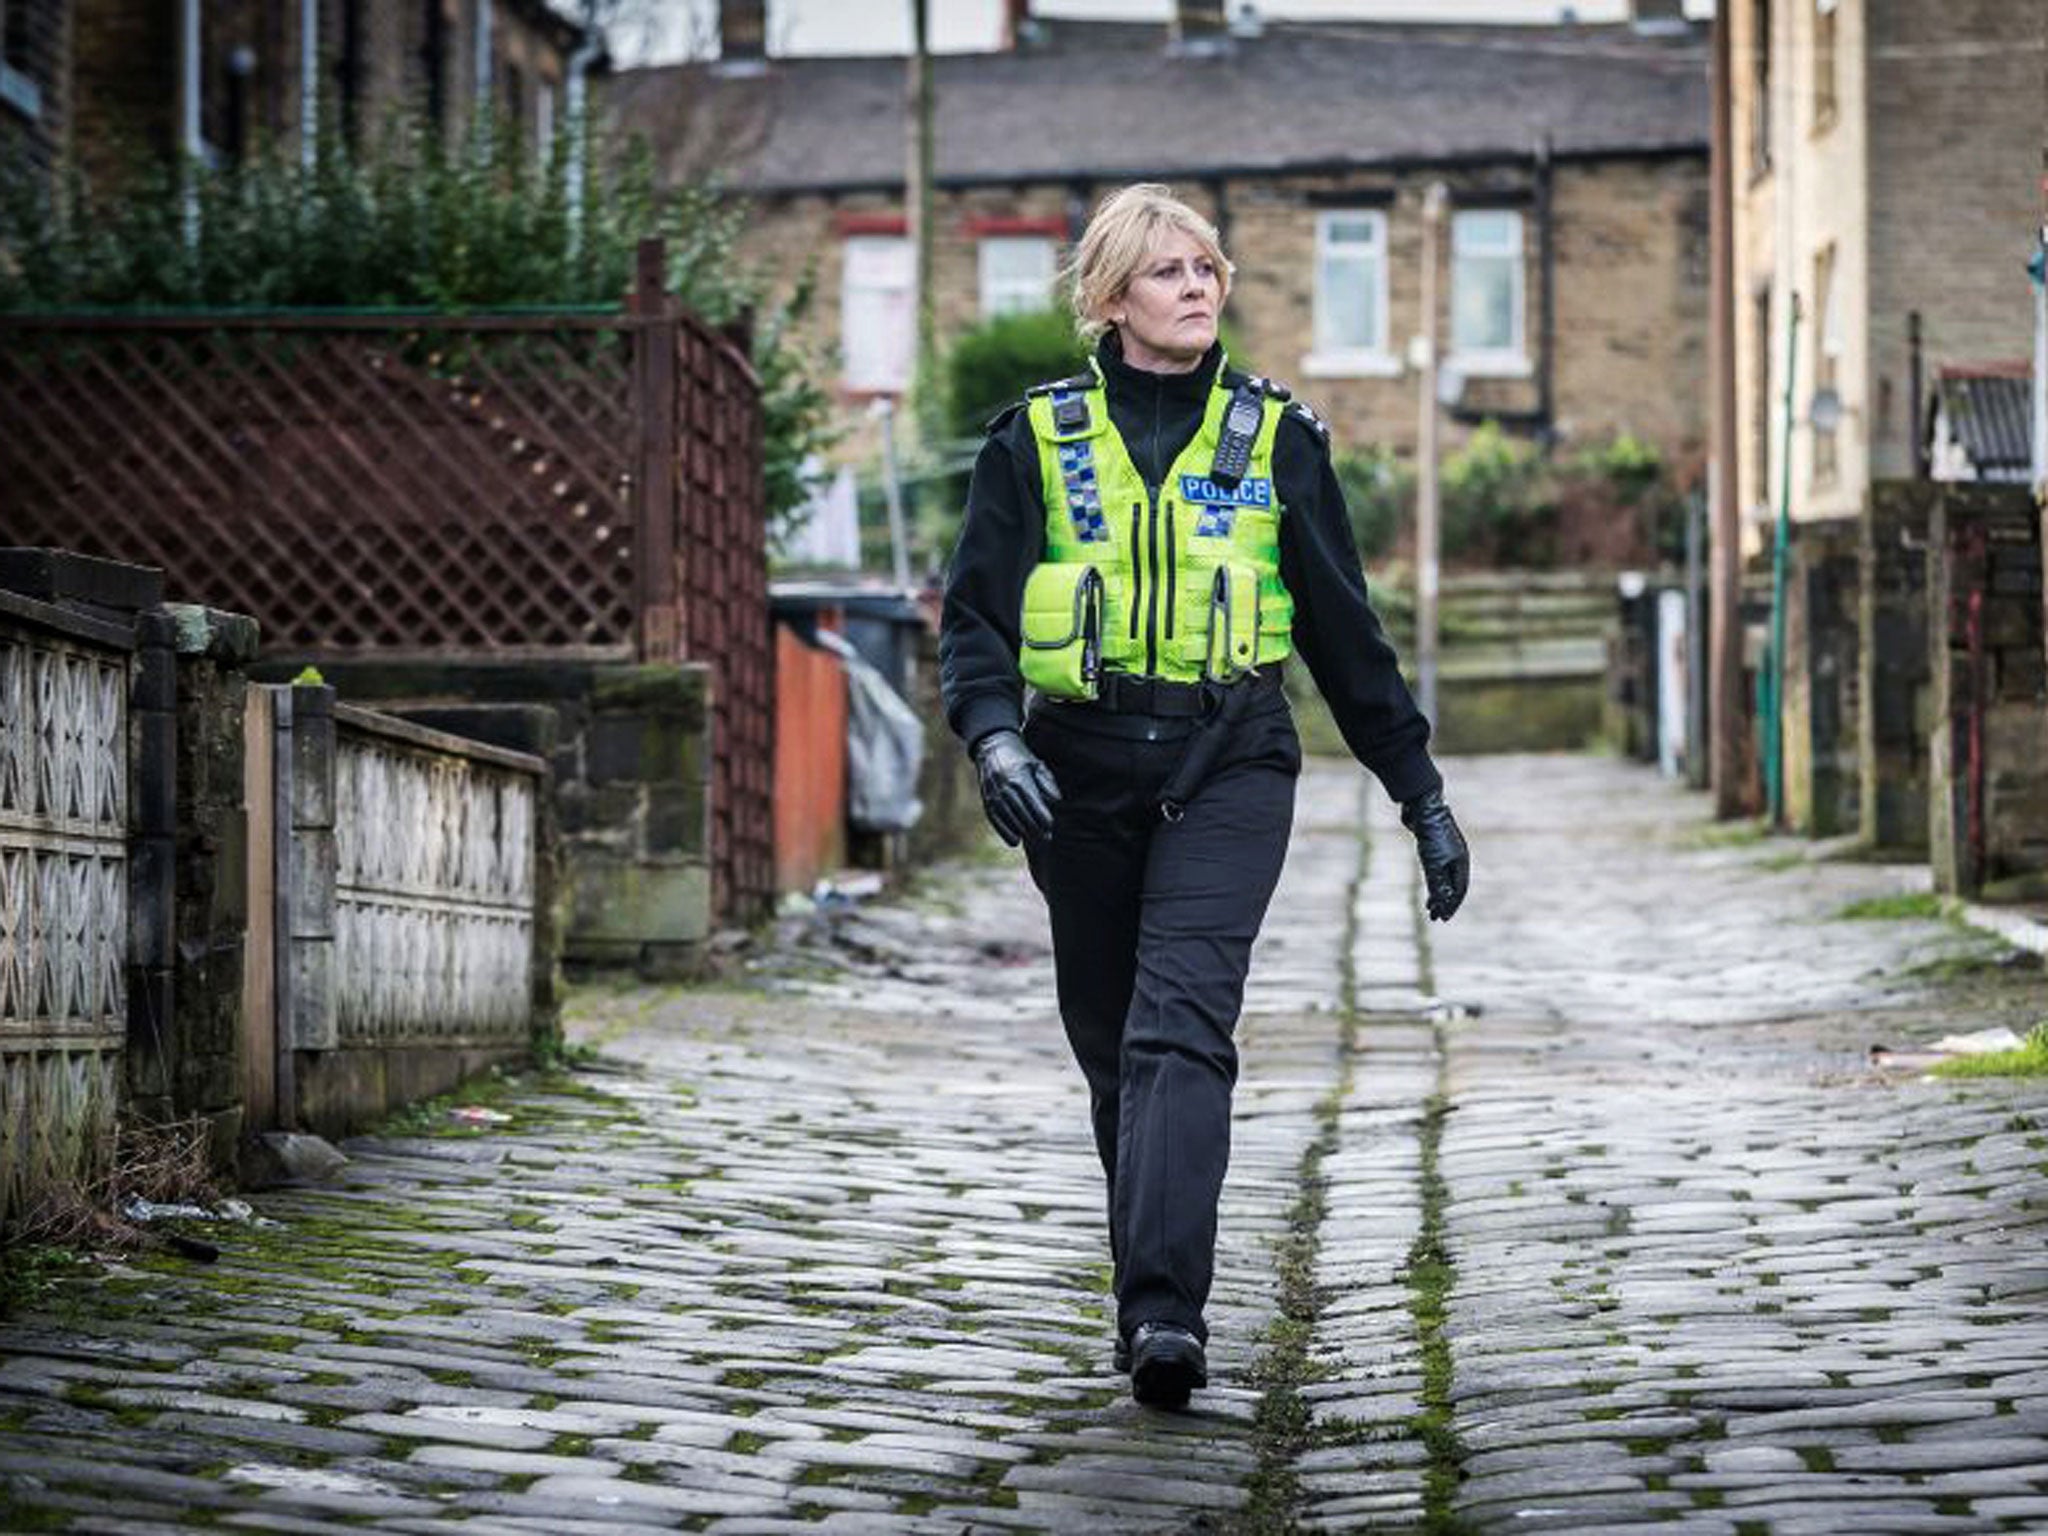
(1631, 286)
(1924, 183)
(1988, 774)
(127, 72)
(125, 84)
(1957, 121)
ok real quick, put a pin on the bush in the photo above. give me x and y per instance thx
(1499, 501)
(407, 223)
(993, 364)
(1379, 492)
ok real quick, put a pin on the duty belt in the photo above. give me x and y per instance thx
(1123, 693)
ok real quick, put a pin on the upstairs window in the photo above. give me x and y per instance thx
(1016, 273)
(1351, 288)
(1824, 63)
(875, 312)
(1487, 288)
(1759, 86)
(1827, 360)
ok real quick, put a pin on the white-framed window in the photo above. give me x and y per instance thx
(1016, 273)
(1351, 294)
(875, 312)
(1487, 297)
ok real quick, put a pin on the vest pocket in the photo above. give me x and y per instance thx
(1232, 647)
(1062, 630)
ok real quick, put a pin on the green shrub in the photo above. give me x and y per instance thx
(993, 364)
(407, 222)
(1379, 492)
(1499, 500)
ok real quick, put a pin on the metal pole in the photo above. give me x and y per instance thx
(918, 186)
(2039, 277)
(1695, 636)
(1428, 503)
(1724, 546)
(1772, 684)
(892, 489)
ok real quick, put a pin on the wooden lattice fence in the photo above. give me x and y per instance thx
(573, 485)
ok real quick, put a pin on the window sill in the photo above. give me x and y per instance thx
(1491, 365)
(1350, 365)
(21, 93)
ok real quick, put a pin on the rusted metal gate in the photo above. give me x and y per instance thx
(578, 485)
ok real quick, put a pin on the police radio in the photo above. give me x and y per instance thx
(1240, 427)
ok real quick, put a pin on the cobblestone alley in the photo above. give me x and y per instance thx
(1625, 1232)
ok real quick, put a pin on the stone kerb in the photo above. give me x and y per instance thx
(417, 901)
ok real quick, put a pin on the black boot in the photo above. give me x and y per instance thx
(1167, 1363)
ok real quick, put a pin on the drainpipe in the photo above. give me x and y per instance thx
(483, 64)
(191, 142)
(1771, 686)
(1724, 542)
(2037, 270)
(1546, 237)
(309, 82)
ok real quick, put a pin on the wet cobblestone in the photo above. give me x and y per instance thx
(829, 1256)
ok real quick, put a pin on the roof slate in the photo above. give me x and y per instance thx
(1117, 103)
(1990, 415)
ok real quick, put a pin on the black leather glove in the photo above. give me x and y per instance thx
(1446, 862)
(1017, 789)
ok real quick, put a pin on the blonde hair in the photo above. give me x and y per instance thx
(1125, 227)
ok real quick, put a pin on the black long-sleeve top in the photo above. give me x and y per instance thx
(1335, 629)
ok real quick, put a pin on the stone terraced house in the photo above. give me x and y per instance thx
(1574, 268)
(106, 84)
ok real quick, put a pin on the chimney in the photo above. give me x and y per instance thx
(1200, 25)
(742, 32)
(1658, 15)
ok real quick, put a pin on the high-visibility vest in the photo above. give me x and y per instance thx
(1179, 580)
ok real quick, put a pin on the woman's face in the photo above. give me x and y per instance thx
(1167, 316)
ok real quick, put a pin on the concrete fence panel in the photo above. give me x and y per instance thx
(410, 901)
(64, 899)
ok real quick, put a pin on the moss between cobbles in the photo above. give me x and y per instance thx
(1918, 905)
(26, 1518)
(746, 1442)
(1282, 1425)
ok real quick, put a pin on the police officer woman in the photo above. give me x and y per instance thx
(1144, 546)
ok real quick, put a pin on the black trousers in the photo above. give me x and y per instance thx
(1152, 929)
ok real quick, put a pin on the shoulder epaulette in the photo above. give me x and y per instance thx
(1079, 381)
(1003, 418)
(1272, 389)
(1308, 418)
